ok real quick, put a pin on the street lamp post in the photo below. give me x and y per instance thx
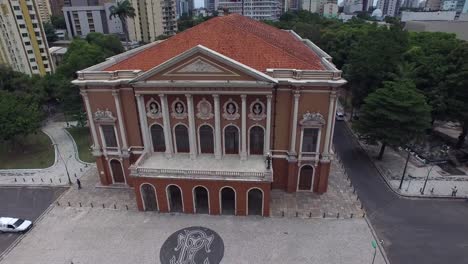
(427, 178)
(404, 170)
(64, 163)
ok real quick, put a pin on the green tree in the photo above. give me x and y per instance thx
(394, 115)
(457, 88)
(106, 41)
(58, 22)
(18, 116)
(123, 10)
(50, 32)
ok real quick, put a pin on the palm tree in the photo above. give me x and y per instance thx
(123, 10)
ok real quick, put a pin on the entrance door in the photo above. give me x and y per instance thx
(175, 199)
(117, 172)
(305, 178)
(255, 203)
(228, 201)
(200, 196)
(148, 195)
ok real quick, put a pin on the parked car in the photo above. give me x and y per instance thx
(14, 225)
(340, 116)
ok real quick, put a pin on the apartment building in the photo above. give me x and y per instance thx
(256, 9)
(23, 44)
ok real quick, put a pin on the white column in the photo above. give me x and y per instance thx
(96, 146)
(217, 112)
(143, 122)
(123, 133)
(268, 126)
(167, 125)
(292, 145)
(244, 128)
(331, 107)
(192, 128)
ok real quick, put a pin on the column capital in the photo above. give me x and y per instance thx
(243, 96)
(115, 92)
(162, 95)
(269, 96)
(84, 93)
(137, 95)
(333, 94)
(188, 95)
(216, 96)
(297, 94)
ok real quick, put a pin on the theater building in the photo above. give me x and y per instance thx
(214, 118)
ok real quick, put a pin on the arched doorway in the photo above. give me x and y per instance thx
(305, 178)
(206, 139)
(255, 202)
(117, 172)
(256, 138)
(182, 139)
(174, 198)
(157, 137)
(228, 201)
(148, 196)
(201, 200)
(231, 140)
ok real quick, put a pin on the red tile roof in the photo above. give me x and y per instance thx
(245, 40)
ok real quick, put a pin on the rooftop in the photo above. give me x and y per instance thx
(255, 44)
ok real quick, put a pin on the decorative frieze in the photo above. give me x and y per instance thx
(104, 116)
(179, 110)
(153, 109)
(231, 110)
(205, 110)
(257, 110)
(312, 119)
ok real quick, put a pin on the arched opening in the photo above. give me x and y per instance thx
(231, 140)
(157, 136)
(206, 139)
(255, 202)
(182, 139)
(174, 196)
(148, 196)
(305, 178)
(257, 137)
(201, 200)
(117, 172)
(228, 201)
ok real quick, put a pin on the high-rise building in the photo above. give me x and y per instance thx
(352, 6)
(432, 5)
(210, 5)
(44, 10)
(153, 18)
(317, 6)
(389, 7)
(23, 44)
(56, 7)
(256, 9)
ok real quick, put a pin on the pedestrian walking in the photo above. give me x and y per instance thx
(454, 191)
(78, 182)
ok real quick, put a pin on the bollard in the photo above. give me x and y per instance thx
(24, 180)
(357, 197)
(69, 204)
(363, 215)
(81, 169)
(92, 205)
(337, 215)
(351, 216)
(80, 204)
(75, 175)
(16, 180)
(103, 206)
(297, 214)
(115, 207)
(58, 204)
(323, 215)
(310, 215)
(126, 207)
(50, 180)
(282, 213)
(32, 179)
(42, 180)
(60, 180)
(362, 206)
(86, 165)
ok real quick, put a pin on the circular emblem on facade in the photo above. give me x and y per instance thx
(231, 110)
(257, 110)
(204, 109)
(153, 109)
(179, 110)
(193, 244)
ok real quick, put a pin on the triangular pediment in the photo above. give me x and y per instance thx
(201, 63)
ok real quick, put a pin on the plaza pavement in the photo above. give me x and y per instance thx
(106, 236)
(55, 174)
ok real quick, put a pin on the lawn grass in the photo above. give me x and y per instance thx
(34, 151)
(83, 142)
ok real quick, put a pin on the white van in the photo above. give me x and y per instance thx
(14, 225)
(340, 116)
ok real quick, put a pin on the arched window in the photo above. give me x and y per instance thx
(256, 140)
(228, 201)
(231, 140)
(206, 139)
(148, 194)
(157, 136)
(182, 139)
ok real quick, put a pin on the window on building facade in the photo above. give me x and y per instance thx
(231, 140)
(206, 139)
(182, 139)
(309, 139)
(109, 136)
(157, 136)
(256, 140)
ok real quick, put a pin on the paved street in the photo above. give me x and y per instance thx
(24, 202)
(107, 236)
(413, 230)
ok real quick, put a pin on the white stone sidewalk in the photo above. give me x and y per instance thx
(105, 236)
(56, 174)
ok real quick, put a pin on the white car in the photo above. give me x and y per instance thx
(15, 225)
(340, 116)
